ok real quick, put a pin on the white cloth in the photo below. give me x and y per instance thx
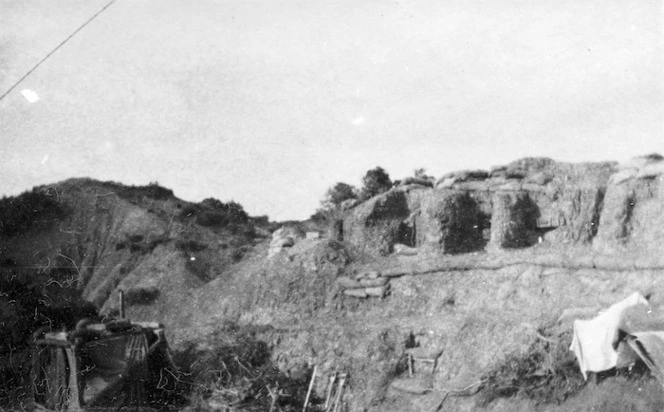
(594, 340)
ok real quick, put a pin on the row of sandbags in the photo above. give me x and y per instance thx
(365, 285)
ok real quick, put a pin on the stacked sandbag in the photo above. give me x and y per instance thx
(365, 285)
(400, 249)
(417, 181)
(640, 167)
(450, 179)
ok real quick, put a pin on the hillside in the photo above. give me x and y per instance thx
(484, 267)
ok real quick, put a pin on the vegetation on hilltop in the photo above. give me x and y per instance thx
(375, 182)
(29, 210)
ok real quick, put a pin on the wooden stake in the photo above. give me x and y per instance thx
(122, 308)
(337, 400)
(410, 365)
(330, 387)
(311, 385)
(274, 396)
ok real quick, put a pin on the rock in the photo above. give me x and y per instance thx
(284, 242)
(282, 238)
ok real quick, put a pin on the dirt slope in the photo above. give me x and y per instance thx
(539, 239)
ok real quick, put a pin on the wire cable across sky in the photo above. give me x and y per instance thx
(56, 49)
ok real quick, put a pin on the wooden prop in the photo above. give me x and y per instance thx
(311, 385)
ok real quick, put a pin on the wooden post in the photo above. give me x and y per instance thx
(311, 385)
(122, 308)
(75, 390)
(330, 387)
(410, 365)
(274, 396)
(337, 399)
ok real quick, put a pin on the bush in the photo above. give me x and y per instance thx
(375, 182)
(28, 210)
(233, 211)
(157, 192)
(19, 301)
(190, 245)
(215, 213)
(134, 193)
(189, 211)
(547, 373)
(238, 372)
(337, 194)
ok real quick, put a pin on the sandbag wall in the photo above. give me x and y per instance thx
(365, 285)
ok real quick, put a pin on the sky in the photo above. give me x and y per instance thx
(270, 102)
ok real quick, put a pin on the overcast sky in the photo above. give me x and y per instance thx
(269, 102)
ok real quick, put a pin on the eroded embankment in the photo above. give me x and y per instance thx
(476, 318)
(477, 309)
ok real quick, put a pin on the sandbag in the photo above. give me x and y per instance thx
(623, 175)
(414, 386)
(400, 249)
(348, 283)
(651, 170)
(416, 181)
(356, 293)
(443, 183)
(377, 291)
(374, 282)
(395, 273)
(371, 274)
